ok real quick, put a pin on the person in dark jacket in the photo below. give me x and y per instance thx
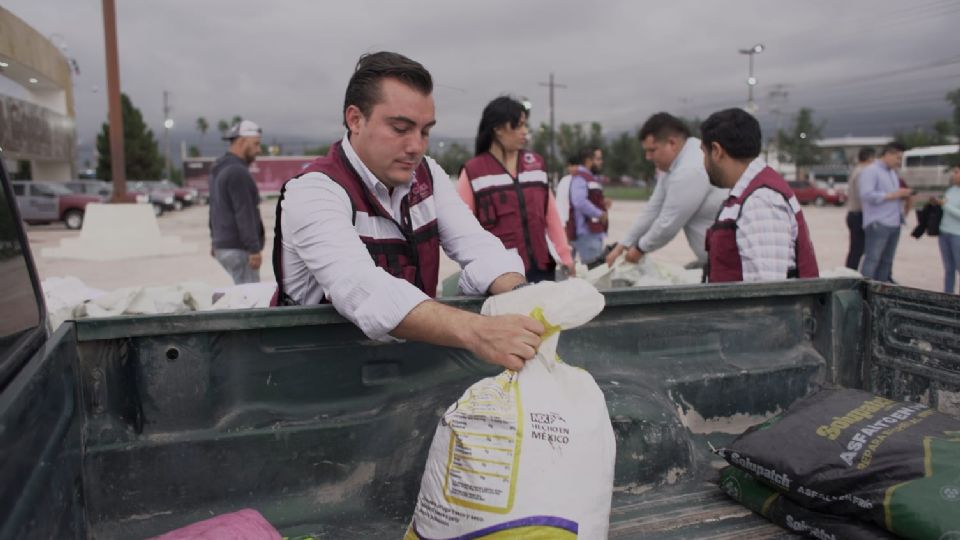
(236, 228)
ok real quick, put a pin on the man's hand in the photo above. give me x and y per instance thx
(604, 218)
(607, 203)
(614, 253)
(504, 340)
(634, 255)
(571, 270)
(256, 260)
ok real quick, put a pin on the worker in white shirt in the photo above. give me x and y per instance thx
(760, 233)
(682, 199)
(362, 227)
(563, 189)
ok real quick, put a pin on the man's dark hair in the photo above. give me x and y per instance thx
(663, 125)
(573, 159)
(894, 146)
(866, 153)
(503, 110)
(363, 90)
(586, 153)
(735, 130)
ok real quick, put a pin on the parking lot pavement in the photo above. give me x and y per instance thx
(917, 263)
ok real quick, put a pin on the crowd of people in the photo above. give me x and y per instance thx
(362, 227)
(879, 202)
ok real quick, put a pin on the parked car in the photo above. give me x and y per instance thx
(808, 192)
(185, 195)
(162, 198)
(104, 190)
(46, 202)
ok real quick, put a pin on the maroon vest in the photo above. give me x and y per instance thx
(513, 209)
(412, 253)
(724, 263)
(595, 196)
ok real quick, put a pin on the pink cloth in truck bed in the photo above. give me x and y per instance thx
(245, 524)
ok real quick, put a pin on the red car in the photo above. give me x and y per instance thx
(808, 192)
(45, 202)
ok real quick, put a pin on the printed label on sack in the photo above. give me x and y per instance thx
(484, 451)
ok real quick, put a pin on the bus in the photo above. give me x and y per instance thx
(926, 166)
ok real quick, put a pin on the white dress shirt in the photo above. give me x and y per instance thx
(323, 255)
(766, 231)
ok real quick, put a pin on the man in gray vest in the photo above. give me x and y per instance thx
(236, 228)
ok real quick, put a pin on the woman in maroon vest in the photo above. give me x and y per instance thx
(508, 190)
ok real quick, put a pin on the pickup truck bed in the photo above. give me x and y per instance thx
(130, 427)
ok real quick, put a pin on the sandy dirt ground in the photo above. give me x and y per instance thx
(917, 262)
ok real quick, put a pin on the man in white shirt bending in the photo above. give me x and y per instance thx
(682, 199)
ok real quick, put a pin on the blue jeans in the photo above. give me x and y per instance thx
(237, 263)
(950, 252)
(589, 247)
(879, 248)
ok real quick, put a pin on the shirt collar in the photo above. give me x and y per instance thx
(751, 172)
(371, 181)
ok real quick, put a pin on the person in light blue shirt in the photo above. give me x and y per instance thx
(950, 232)
(882, 199)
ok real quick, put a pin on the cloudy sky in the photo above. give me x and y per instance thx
(865, 67)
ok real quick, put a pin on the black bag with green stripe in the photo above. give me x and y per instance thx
(850, 453)
(771, 504)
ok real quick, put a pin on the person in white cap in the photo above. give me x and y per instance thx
(236, 228)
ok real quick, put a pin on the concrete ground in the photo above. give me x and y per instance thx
(917, 263)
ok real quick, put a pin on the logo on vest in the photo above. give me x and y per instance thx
(419, 191)
(529, 158)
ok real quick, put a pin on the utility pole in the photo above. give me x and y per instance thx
(167, 124)
(114, 112)
(553, 131)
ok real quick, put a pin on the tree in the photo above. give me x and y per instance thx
(202, 127)
(921, 136)
(321, 150)
(800, 142)
(193, 151)
(453, 157)
(222, 127)
(625, 157)
(236, 120)
(141, 154)
(954, 98)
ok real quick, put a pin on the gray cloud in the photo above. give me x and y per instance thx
(285, 64)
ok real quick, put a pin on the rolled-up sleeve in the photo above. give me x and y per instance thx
(317, 223)
(479, 253)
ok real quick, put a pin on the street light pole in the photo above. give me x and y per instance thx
(167, 124)
(751, 80)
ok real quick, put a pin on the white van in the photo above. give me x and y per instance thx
(926, 166)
